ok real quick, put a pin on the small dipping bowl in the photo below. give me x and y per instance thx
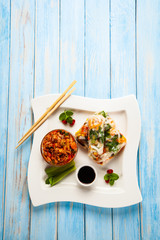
(86, 175)
(52, 154)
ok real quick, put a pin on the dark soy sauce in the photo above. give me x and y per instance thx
(86, 175)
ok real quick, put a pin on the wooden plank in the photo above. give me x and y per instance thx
(17, 203)
(123, 80)
(72, 44)
(44, 218)
(97, 65)
(148, 79)
(46, 47)
(126, 220)
(70, 215)
(97, 79)
(4, 70)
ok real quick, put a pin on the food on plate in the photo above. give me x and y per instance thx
(101, 137)
(56, 174)
(53, 171)
(110, 177)
(114, 141)
(58, 147)
(82, 135)
(66, 117)
(96, 136)
(110, 171)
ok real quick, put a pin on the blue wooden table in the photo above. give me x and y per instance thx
(112, 49)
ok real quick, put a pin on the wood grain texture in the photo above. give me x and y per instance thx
(17, 203)
(49, 44)
(123, 80)
(126, 222)
(97, 63)
(70, 215)
(44, 218)
(72, 44)
(4, 86)
(46, 47)
(97, 85)
(148, 82)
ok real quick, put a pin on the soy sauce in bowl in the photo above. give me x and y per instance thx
(86, 175)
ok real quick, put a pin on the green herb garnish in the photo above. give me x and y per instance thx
(107, 127)
(66, 116)
(69, 119)
(101, 133)
(62, 116)
(69, 113)
(94, 135)
(106, 131)
(111, 178)
(107, 135)
(103, 114)
(112, 144)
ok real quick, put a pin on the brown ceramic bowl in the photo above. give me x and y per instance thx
(58, 147)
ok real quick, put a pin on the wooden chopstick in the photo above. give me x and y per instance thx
(47, 116)
(48, 110)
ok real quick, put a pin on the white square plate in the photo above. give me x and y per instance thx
(125, 192)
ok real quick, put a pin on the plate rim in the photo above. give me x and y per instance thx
(116, 104)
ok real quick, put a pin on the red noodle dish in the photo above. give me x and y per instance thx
(58, 147)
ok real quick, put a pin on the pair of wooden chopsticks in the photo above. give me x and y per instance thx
(49, 111)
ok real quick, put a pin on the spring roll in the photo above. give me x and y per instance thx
(96, 136)
(114, 141)
(101, 137)
(82, 135)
